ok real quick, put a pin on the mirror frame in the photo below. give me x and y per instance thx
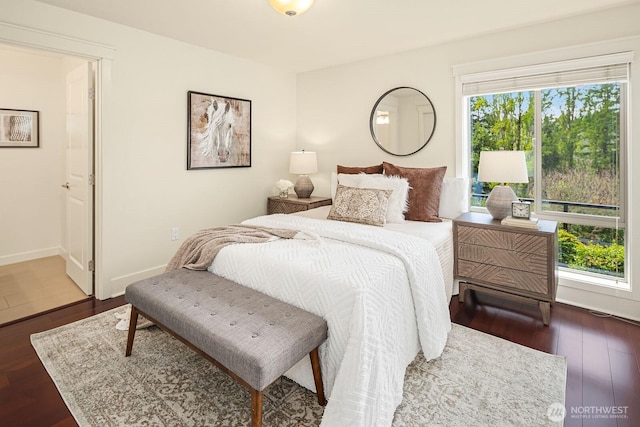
(373, 116)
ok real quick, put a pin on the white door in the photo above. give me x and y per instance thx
(79, 185)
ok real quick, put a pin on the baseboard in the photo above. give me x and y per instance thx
(620, 307)
(28, 256)
(117, 285)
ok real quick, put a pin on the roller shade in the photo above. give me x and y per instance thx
(594, 70)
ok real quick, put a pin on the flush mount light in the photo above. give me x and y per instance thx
(291, 7)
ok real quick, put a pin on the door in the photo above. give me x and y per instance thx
(79, 173)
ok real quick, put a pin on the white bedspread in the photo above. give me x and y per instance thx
(381, 293)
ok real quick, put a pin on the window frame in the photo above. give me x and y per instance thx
(463, 156)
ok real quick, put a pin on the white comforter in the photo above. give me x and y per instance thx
(381, 293)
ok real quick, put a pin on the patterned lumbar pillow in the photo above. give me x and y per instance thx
(362, 205)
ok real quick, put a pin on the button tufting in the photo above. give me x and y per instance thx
(213, 314)
(254, 335)
(155, 283)
(198, 290)
(287, 315)
(181, 297)
(232, 324)
(214, 296)
(250, 313)
(272, 323)
(196, 304)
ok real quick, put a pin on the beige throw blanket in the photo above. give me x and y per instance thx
(198, 250)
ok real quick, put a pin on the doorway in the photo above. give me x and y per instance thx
(35, 208)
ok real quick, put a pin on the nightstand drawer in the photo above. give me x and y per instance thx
(281, 206)
(292, 204)
(536, 263)
(508, 279)
(509, 240)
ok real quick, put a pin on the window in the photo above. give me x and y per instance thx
(570, 118)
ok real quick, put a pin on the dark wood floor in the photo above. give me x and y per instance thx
(28, 397)
(603, 357)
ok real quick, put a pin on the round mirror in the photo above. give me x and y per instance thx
(402, 121)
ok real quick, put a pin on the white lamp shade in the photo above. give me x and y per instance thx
(503, 166)
(291, 7)
(303, 163)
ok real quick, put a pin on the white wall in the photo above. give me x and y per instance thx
(146, 188)
(31, 206)
(333, 107)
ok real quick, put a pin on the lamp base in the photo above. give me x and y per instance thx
(303, 187)
(499, 201)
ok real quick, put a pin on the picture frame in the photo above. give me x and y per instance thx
(19, 128)
(219, 131)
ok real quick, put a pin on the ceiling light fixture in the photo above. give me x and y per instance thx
(291, 7)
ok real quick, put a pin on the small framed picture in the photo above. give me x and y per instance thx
(19, 128)
(219, 131)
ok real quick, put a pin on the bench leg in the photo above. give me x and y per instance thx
(317, 376)
(256, 408)
(133, 322)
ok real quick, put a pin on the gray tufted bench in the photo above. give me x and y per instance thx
(251, 336)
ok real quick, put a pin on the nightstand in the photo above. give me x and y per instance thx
(291, 204)
(512, 262)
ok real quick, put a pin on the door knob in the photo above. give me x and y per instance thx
(66, 185)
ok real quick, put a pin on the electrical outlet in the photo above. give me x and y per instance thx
(175, 233)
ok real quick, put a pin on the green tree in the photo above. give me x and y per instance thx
(601, 130)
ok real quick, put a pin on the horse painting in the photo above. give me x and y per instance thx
(220, 131)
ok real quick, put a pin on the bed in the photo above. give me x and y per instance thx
(384, 292)
(438, 233)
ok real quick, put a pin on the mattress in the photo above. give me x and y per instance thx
(438, 233)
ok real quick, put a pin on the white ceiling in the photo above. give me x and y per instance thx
(332, 32)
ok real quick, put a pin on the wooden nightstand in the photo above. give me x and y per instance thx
(512, 262)
(291, 204)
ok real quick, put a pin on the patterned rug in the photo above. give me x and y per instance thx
(480, 380)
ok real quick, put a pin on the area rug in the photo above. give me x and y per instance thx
(479, 380)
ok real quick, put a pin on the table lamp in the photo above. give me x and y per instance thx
(503, 167)
(303, 163)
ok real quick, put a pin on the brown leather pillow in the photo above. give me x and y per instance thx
(354, 170)
(425, 186)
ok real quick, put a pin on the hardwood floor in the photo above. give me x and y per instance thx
(603, 356)
(28, 397)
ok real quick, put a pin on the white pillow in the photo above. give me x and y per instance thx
(398, 201)
(454, 197)
(347, 179)
(334, 184)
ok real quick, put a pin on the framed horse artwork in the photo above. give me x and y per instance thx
(219, 131)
